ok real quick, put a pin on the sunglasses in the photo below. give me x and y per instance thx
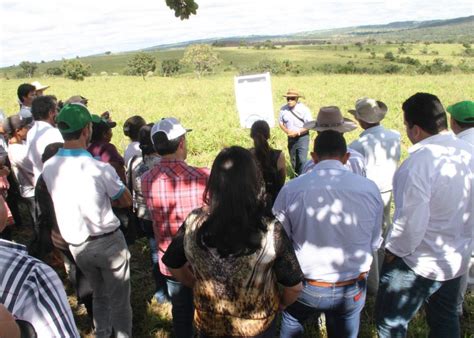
(291, 98)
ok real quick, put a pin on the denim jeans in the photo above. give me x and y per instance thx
(341, 305)
(298, 149)
(182, 308)
(161, 289)
(106, 264)
(401, 294)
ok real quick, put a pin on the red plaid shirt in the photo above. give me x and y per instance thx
(172, 189)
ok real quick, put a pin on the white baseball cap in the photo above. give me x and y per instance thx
(170, 126)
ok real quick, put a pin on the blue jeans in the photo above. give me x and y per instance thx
(298, 149)
(341, 305)
(182, 308)
(161, 290)
(401, 294)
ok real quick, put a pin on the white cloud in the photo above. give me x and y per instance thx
(52, 29)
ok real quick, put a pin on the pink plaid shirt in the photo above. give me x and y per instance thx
(172, 189)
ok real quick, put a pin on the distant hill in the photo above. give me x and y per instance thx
(377, 39)
(451, 30)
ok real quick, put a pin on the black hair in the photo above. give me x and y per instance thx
(99, 130)
(145, 140)
(69, 136)
(51, 150)
(132, 125)
(235, 197)
(24, 89)
(426, 111)
(330, 143)
(163, 146)
(42, 105)
(465, 125)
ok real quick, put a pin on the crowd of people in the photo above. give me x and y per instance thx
(234, 248)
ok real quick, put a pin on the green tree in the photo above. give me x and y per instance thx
(389, 56)
(28, 68)
(54, 71)
(182, 8)
(141, 64)
(201, 58)
(75, 69)
(170, 67)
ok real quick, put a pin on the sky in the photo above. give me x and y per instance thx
(32, 30)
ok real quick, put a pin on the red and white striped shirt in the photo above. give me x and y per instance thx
(172, 189)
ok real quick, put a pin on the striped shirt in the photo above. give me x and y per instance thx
(172, 189)
(33, 292)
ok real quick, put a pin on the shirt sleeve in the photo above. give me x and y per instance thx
(307, 114)
(286, 267)
(377, 238)
(113, 185)
(412, 213)
(175, 256)
(280, 212)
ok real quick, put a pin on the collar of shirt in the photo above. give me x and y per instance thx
(73, 152)
(14, 246)
(429, 140)
(466, 133)
(372, 130)
(330, 164)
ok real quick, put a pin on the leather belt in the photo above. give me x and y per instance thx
(93, 238)
(321, 284)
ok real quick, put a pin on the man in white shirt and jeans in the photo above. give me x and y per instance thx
(381, 150)
(429, 245)
(83, 191)
(332, 216)
(462, 124)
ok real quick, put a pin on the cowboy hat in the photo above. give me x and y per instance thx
(293, 93)
(330, 118)
(369, 110)
(39, 86)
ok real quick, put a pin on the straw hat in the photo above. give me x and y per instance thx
(330, 118)
(39, 86)
(293, 93)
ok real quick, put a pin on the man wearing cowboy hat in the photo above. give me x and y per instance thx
(39, 88)
(330, 118)
(381, 150)
(293, 116)
(330, 215)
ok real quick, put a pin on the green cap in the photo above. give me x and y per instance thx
(74, 117)
(462, 111)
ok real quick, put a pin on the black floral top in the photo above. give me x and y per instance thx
(235, 295)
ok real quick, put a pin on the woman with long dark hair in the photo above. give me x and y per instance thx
(271, 161)
(233, 255)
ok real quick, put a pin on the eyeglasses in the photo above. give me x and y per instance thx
(291, 98)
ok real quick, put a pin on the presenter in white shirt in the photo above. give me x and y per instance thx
(429, 245)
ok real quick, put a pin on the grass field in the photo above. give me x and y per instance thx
(208, 106)
(309, 57)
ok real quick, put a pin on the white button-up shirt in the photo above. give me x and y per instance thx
(434, 206)
(467, 135)
(290, 121)
(333, 218)
(381, 150)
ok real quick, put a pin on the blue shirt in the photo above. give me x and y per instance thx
(334, 219)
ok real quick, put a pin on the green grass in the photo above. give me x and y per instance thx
(309, 57)
(208, 106)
